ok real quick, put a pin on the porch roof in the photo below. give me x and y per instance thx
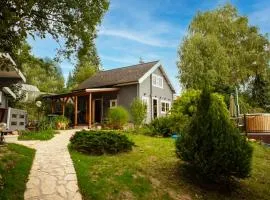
(81, 92)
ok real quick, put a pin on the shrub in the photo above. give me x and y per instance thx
(183, 109)
(117, 117)
(46, 124)
(138, 111)
(61, 122)
(212, 144)
(161, 126)
(100, 142)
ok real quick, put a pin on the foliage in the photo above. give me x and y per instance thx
(15, 166)
(46, 74)
(161, 126)
(61, 122)
(100, 142)
(46, 124)
(88, 64)
(73, 23)
(183, 109)
(213, 145)
(37, 135)
(260, 95)
(138, 111)
(117, 117)
(222, 50)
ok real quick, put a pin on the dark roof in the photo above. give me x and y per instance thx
(117, 76)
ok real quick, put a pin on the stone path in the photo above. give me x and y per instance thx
(52, 176)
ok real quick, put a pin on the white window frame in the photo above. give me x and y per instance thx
(146, 99)
(157, 79)
(111, 103)
(166, 102)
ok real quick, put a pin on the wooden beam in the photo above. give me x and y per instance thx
(76, 111)
(53, 106)
(90, 110)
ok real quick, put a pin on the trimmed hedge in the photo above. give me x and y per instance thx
(100, 142)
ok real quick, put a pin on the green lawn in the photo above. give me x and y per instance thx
(15, 165)
(152, 171)
(37, 135)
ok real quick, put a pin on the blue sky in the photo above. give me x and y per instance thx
(151, 29)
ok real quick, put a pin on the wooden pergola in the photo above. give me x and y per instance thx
(63, 99)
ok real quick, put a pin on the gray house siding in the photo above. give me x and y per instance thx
(149, 91)
(126, 95)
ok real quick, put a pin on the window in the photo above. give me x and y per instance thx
(165, 106)
(113, 103)
(145, 100)
(14, 116)
(157, 81)
(22, 116)
(21, 123)
(13, 123)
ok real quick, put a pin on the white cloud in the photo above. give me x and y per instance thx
(140, 37)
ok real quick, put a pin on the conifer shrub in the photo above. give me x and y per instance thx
(212, 143)
(100, 142)
(117, 117)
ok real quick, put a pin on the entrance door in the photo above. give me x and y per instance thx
(155, 108)
(98, 110)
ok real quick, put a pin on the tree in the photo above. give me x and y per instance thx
(138, 111)
(46, 74)
(260, 91)
(222, 49)
(88, 64)
(212, 144)
(69, 20)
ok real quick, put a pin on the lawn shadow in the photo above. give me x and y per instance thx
(195, 180)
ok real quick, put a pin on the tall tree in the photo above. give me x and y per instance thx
(88, 64)
(221, 49)
(71, 20)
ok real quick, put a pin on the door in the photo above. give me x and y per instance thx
(155, 108)
(98, 110)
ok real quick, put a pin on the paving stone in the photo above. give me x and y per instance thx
(52, 176)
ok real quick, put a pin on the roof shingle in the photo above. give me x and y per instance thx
(117, 76)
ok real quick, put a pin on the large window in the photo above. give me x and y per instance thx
(157, 81)
(165, 106)
(113, 103)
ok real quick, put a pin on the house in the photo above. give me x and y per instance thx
(118, 87)
(15, 119)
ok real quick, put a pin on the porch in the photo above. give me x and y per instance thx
(84, 107)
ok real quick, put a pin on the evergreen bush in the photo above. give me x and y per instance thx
(212, 143)
(117, 117)
(100, 142)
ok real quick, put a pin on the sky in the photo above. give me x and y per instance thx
(151, 30)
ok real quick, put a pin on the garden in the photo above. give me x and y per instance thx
(148, 162)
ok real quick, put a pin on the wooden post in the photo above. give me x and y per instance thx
(63, 107)
(90, 110)
(76, 111)
(52, 106)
